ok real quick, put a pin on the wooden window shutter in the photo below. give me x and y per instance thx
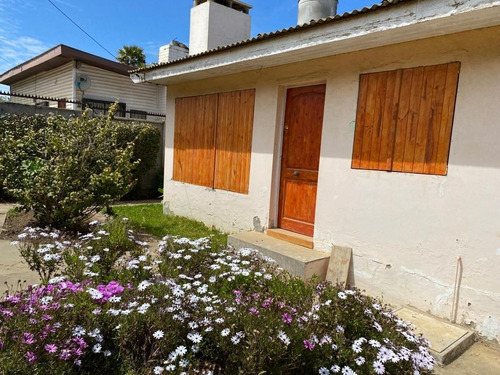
(194, 139)
(234, 140)
(404, 119)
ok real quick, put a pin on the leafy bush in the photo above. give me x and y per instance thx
(65, 170)
(189, 309)
(12, 127)
(146, 139)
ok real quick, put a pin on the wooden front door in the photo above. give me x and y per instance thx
(300, 158)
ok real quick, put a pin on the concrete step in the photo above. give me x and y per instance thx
(448, 341)
(297, 260)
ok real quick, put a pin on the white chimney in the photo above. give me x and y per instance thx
(173, 51)
(216, 23)
(316, 9)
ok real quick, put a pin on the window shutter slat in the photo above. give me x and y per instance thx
(447, 118)
(360, 122)
(424, 125)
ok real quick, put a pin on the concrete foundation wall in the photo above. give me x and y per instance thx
(10, 107)
(406, 230)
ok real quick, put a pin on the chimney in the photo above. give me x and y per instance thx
(216, 23)
(173, 51)
(316, 9)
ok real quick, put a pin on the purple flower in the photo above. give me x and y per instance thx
(13, 299)
(287, 318)
(254, 311)
(1, 345)
(308, 345)
(46, 317)
(80, 342)
(30, 356)
(51, 348)
(267, 303)
(7, 313)
(65, 354)
(28, 338)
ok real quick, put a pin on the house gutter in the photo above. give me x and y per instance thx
(403, 22)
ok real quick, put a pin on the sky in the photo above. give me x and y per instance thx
(30, 27)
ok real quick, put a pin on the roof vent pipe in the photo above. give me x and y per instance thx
(316, 9)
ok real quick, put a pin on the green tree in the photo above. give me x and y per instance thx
(132, 56)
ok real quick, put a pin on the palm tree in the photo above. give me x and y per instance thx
(132, 56)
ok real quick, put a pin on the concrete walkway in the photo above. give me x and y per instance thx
(14, 272)
(4, 208)
(480, 359)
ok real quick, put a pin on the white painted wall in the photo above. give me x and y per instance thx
(213, 25)
(55, 83)
(406, 230)
(110, 86)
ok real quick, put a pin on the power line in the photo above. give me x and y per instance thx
(86, 33)
(4, 59)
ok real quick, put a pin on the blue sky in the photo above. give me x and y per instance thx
(30, 27)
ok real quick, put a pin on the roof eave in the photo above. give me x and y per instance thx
(395, 24)
(56, 57)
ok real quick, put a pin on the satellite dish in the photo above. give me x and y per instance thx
(83, 82)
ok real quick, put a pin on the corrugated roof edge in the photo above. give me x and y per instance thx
(260, 37)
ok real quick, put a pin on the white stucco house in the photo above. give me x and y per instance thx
(376, 130)
(67, 73)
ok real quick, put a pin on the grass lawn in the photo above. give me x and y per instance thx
(150, 218)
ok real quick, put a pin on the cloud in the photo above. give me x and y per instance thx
(15, 47)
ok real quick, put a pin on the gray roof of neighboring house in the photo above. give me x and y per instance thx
(274, 34)
(56, 57)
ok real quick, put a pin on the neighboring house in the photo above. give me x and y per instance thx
(67, 73)
(376, 130)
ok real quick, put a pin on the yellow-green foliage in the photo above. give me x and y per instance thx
(66, 170)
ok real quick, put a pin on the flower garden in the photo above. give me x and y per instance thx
(111, 305)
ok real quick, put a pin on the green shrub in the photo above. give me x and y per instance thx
(13, 127)
(146, 139)
(187, 308)
(65, 170)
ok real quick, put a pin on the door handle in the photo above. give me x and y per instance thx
(296, 173)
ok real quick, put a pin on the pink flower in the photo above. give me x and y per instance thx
(287, 318)
(28, 338)
(30, 356)
(308, 345)
(267, 303)
(51, 348)
(65, 354)
(254, 311)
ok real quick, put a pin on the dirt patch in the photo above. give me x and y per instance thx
(15, 224)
